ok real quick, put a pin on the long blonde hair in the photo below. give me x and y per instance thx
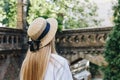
(35, 63)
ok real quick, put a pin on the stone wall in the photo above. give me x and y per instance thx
(72, 44)
(87, 43)
(12, 50)
(10, 67)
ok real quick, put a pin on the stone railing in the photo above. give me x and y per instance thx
(83, 43)
(11, 39)
(12, 49)
(73, 44)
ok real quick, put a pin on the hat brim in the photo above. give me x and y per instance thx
(51, 34)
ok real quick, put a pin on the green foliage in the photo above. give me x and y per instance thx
(8, 12)
(112, 52)
(69, 13)
(82, 13)
(45, 9)
(94, 69)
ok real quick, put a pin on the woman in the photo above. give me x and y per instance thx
(42, 61)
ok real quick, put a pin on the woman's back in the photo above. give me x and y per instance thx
(58, 69)
(40, 63)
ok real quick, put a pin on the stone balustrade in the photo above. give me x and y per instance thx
(86, 43)
(72, 44)
(11, 39)
(12, 50)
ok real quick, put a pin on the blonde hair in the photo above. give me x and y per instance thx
(35, 63)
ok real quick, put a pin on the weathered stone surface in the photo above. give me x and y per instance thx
(86, 43)
(72, 44)
(10, 68)
(12, 49)
(12, 39)
(20, 15)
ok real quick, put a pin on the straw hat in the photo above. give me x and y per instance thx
(44, 28)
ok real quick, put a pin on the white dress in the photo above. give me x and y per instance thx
(58, 69)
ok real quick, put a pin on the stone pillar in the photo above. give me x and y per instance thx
(20, 22)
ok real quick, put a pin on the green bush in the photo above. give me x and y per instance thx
(112, 49)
